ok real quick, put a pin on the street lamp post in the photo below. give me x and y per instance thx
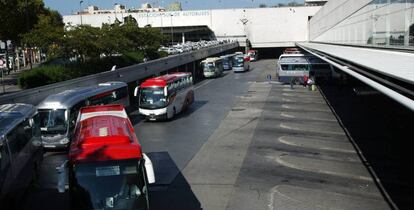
(147, 17)
(172, 30)
(80, 11)
(245, 21)
(29, 51)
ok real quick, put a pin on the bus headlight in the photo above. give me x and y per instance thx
(64, 141)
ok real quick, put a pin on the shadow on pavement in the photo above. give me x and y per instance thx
(191, 109)
(44, 195)
(171, 190)
(383, 131)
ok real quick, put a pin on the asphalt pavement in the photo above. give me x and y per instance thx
(246, 143)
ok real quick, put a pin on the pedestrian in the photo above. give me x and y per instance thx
(292, 82)
(305, 80)
(310, 83)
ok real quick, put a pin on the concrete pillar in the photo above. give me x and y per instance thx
(194, 71)
(16, 58)
(183, 37)
(407, 25)
(24, 58)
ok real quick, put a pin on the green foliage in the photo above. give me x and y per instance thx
(47, 33)
(94, 49)
(43, 75)
(48, 74)
(17, 17)
(82, 42)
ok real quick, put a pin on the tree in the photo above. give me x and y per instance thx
(152, 39)
(82, 42)
(18, 17)
(262, 5)
(112, 40)
(47, 33)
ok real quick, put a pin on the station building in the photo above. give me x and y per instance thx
(263, 27)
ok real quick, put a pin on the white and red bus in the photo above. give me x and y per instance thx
(165, 96)
(106, 167)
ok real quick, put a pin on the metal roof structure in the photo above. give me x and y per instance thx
(395, 64)
(294, 60)
(389, 72)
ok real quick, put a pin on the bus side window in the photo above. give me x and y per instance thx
(122, 92)
(177, 85)
(183, 83)
(73, 115)
(35, 121)
(4, 159)
(18, 138)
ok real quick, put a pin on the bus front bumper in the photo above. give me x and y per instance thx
(238, 69)
(156, 114)
(209, 74)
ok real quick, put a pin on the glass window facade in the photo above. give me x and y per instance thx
(388, 23)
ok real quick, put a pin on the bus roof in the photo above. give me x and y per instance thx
(13, 114)
(211, 59)
(104, 133)
(292, 50)
(68, 98)
(227, 56)
(163, 80)
(293, 60)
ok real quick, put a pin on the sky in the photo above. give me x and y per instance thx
(66, 7)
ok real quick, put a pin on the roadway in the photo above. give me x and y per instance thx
(245, 144)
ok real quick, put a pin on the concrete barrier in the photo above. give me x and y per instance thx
(127, 74)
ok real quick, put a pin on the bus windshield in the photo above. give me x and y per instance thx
(53, 121)
(238, 62)
(108, 185)
(152, 98)
(295, 67)
(208, 66)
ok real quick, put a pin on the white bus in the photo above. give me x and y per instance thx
(292, 67)
(58, 112)
(212, 67)
(165, 96)
(241, 63)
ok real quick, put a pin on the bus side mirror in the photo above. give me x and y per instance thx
(62, 177)
(136, 91)
(149, 169)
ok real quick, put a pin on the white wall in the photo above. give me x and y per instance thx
(332, 13)
(266, 27)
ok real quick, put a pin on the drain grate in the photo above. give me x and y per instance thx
(238, 109)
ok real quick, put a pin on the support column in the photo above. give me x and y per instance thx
(183, 37)
(16, 52)
(24, 57)
(194, 71)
